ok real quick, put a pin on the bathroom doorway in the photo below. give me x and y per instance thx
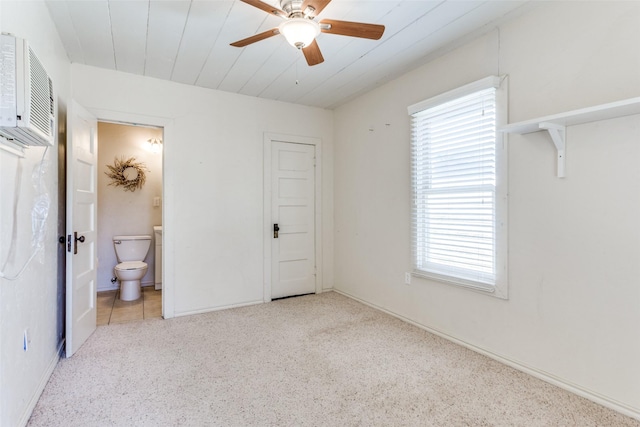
(129, 184)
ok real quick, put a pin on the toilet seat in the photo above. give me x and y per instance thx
(131, 265)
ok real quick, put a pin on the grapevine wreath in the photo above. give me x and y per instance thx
(127, 173)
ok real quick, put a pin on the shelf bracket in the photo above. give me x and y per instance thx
(558, 134)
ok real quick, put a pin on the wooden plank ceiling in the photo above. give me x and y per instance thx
(187, 41)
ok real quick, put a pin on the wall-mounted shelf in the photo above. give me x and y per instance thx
(556, 124)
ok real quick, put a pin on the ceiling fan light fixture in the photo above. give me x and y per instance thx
(299, 32)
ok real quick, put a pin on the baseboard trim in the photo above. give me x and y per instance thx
(41, 385)
(222, 307)
(225, 307)
(542, 375)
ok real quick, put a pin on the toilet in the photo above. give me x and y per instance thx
(131, 251)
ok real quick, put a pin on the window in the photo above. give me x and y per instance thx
(459, 206)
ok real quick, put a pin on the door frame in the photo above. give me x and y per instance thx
(269, 138)
(167, 124)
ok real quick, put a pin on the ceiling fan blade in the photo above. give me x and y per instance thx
(318, 5)
(352, 29)
(256, 38)
(312, 54)
(266, 7)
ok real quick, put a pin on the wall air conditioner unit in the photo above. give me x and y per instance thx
(26, 95)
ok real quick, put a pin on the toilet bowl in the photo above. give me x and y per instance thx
(129, 274)
(130, 252)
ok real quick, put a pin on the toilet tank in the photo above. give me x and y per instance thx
(131, 248)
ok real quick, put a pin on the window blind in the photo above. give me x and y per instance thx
(454, 179)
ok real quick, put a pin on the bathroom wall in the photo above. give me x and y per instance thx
(574, 243)
(35, 301)
(123, 212)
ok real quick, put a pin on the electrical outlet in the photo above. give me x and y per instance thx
(407, 278)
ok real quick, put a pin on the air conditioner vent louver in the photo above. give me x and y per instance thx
(27, 104)
(40, 95)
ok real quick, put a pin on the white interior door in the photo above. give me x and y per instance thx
(293, 216)
(82, 156)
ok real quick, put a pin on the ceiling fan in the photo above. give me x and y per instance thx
(300, 28)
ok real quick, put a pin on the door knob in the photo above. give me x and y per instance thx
(76, 238)
(275, 231)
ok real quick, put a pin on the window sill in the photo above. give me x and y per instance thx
(483, 288)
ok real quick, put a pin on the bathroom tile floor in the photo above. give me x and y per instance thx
(111, 309)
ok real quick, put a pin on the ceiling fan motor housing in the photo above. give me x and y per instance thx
(293, 8)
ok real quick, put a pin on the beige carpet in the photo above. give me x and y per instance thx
(320, 360)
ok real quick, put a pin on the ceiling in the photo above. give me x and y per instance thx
(187, 41)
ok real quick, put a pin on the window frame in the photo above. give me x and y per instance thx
(499, 288)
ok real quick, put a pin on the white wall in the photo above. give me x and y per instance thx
(574, 243)
(574, 291)
(34, 301)
(213, 187)
(123, 212)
